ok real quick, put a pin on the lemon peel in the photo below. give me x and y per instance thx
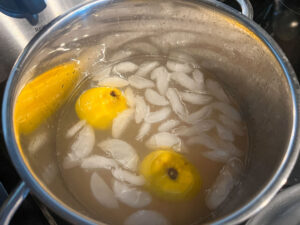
(100, 105)
(42, 96)
(170, 175)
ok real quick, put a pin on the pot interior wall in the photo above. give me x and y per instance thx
(239, 59)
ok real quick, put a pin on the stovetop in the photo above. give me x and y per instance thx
(280, 18)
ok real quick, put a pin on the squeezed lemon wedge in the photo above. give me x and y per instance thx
(42, 96)
(99, 106)
(170, 175)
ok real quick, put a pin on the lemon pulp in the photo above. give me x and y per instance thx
(100, 105)
(42, 96)
(170, 175)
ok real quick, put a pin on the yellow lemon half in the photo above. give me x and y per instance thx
(170, 175)
(99, 106)
(42, 96)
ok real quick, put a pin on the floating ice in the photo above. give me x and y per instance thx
(162, 78)
(121, 151)
(228, 110)
(235, 127)
(69, 162)
(168, 125)
(214, 144)
(81, 147)
(216, 155)
(187, 131)
(154, 98)
(229, 147)
(176, 103)
(122, 54)
(198, 77)
(113, 82)
(131, 196)
(199, 115)
(235, 165)
(121, 122)
(205, 140)
(140, 82)
(125, 68)
(126, 176)
(185, 81)
(49, 173)
(146, 217)
(75, 128)
(100, 73)
(224, 133)
(179, 67)
(216, 90)
(146, 68)
(37, 142)
(141, 109)
(130, 97)
(164, 140)
(220, 189)
(103, 193)
(99, 162)
(157, 116)
(143, 131)
(194, 98)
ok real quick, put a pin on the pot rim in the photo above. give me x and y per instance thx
(281, 201)
(241, 214)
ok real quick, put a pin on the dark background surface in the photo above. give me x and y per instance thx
(281, 19)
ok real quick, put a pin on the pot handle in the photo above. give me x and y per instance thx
(247, 9)
(13, 202)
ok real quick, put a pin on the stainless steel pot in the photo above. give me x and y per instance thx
(242, 55)
(283, 209)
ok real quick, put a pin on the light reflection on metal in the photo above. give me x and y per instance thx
(17, 32)
(13, 31)
(55, 8)
(294, 24)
